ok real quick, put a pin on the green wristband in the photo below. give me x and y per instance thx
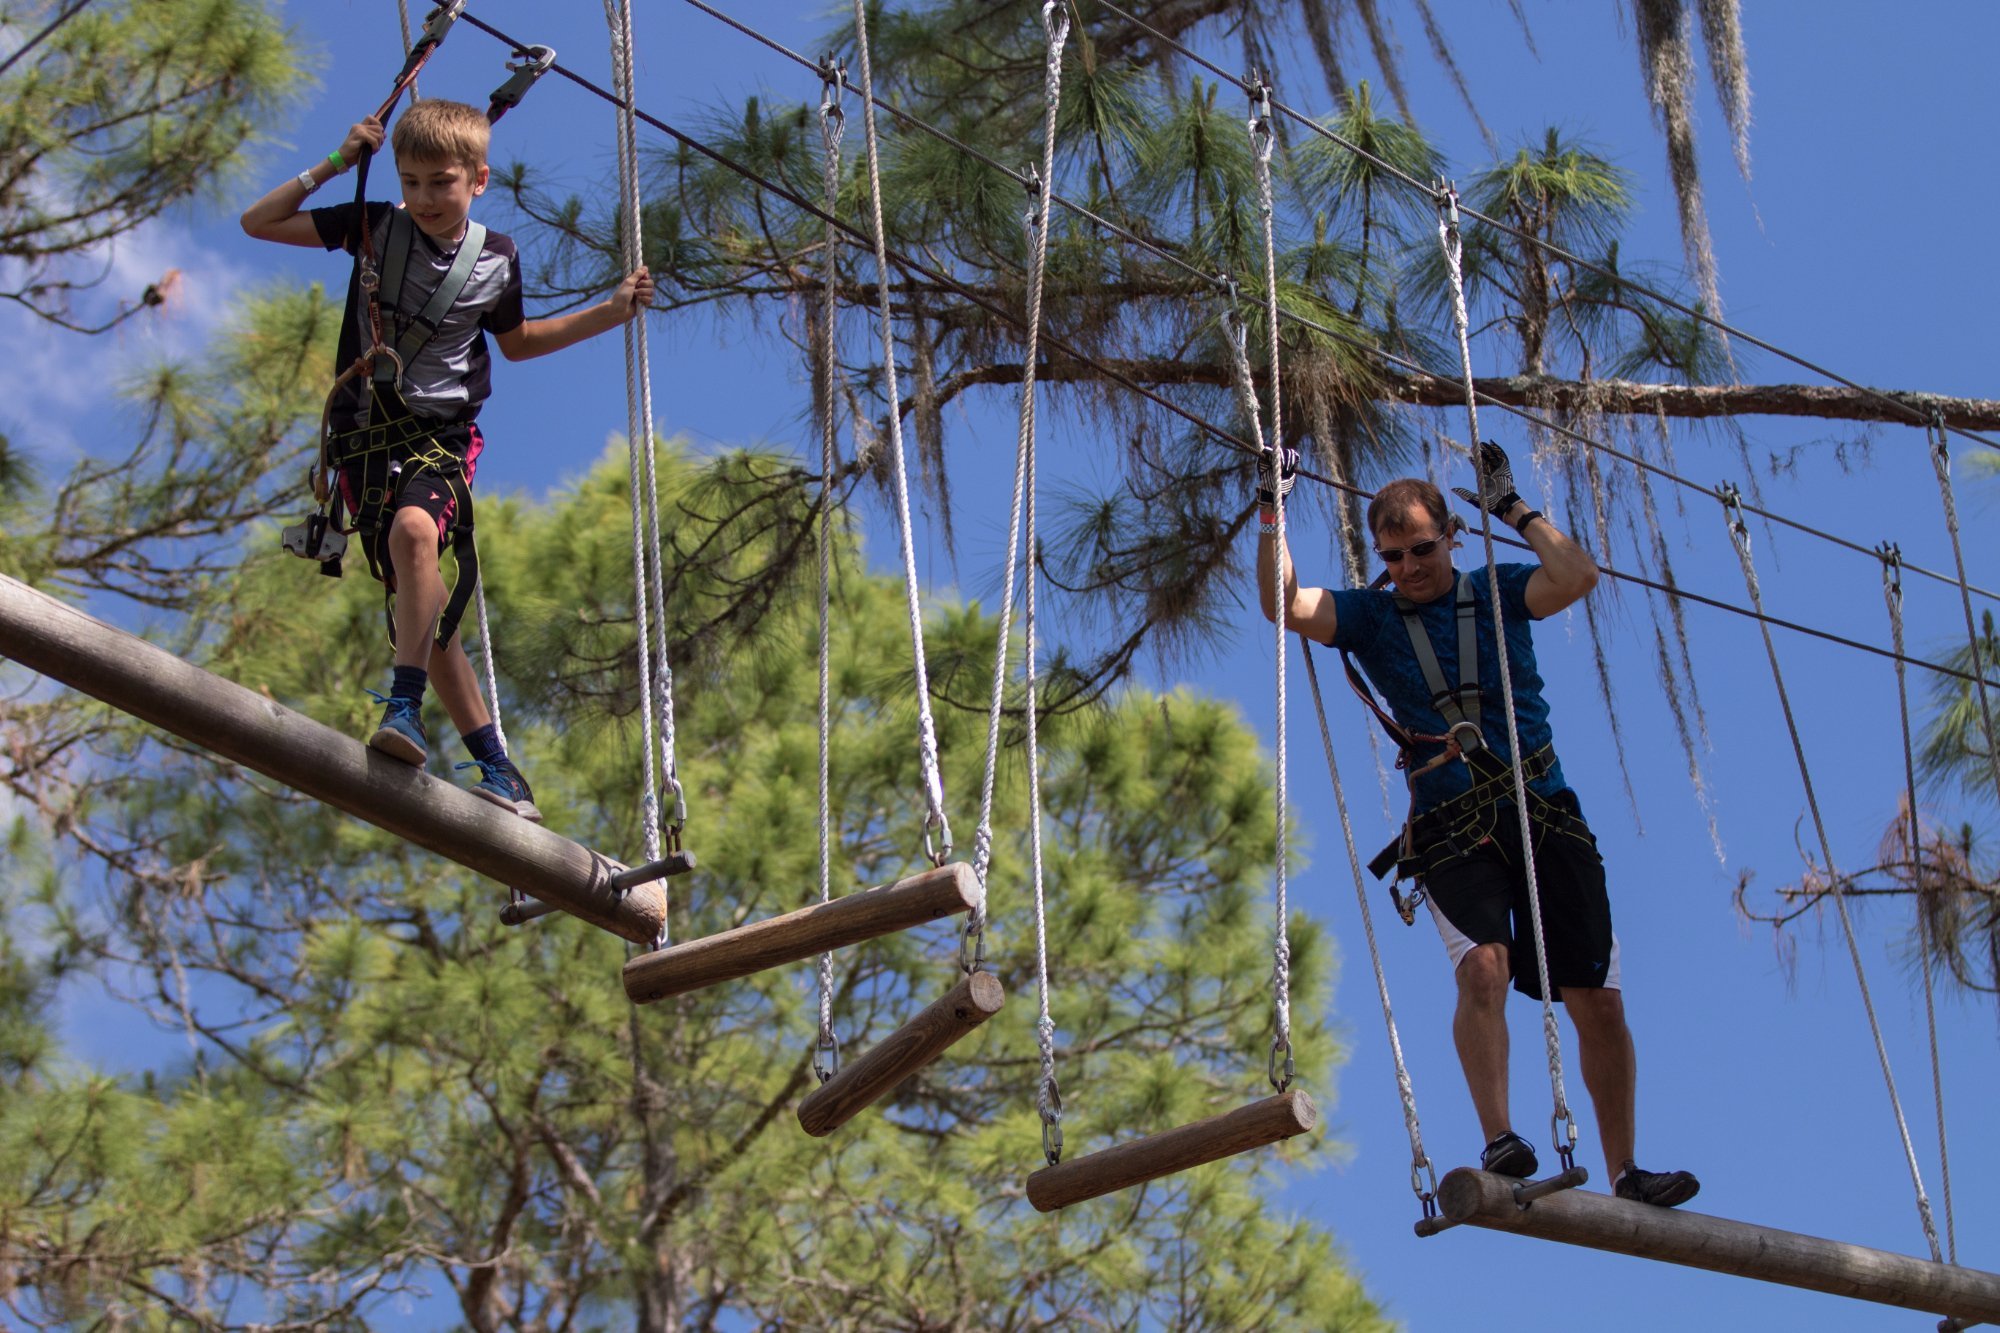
(339, 162)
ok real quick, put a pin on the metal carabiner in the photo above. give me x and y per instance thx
(827, 1044)
(1282, 1046)
(522, 75)
(1051, 1112)
(972, 943)
(1445, 194)
(438, 22)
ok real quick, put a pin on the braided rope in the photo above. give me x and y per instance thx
(1451, 243)
(832, 120)
(655, 686)
(1739, 536)
(486, 661)
(1263, 139)
(1941, 464)
(403, 12)
(1892, 594)
(1055, 25)
(935, 822)
(1423, 1176)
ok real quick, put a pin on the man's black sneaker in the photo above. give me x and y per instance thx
(1662, 1189)
(1509, 1155)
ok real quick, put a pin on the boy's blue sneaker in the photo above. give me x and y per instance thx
(401, 734)
(501, 783)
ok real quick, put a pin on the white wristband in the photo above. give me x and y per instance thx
(306, 181)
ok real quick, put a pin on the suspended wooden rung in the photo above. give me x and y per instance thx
(1123, 1165)
(862, 1082)
(1674, 1235)
(523, 910)
(1525, 1192)
(253, 730)
(779, 940)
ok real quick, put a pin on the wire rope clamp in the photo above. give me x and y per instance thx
(832, 78)
(1445, 193)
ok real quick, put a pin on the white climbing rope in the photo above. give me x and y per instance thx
(1263, 139)
(1423, 1176)
(937, 829)
(832, 120)
(1451, 243)
(1739, 536)
(1892, 594)
(486, 661)
(656, 701)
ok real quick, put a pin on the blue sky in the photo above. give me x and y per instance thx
(1857, 243)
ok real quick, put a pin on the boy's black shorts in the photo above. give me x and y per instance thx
(1480, 896)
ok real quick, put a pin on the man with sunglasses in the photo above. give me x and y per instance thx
(1462, 840)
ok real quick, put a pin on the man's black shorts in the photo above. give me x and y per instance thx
(1480, 896)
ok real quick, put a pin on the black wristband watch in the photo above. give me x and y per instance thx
(1521, 526)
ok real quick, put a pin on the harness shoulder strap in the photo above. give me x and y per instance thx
(1460, 705)
(426, 321)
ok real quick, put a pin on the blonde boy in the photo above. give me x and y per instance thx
(405, 438)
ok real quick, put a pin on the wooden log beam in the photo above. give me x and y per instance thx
(1541, 393)
(779, 940)
(862, 1082)
(247, 728)
(1126, 1164)
(1674, 1235)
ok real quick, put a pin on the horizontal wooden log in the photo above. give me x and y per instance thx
(863, 1081)
(1126, 1164)
(1674, 1235)
(247, 728)
(1542, 393)
(779, 940)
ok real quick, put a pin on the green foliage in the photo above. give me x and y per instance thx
(127, 110)
(393, 1089)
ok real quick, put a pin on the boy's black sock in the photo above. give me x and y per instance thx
(485, 744)
(408, 683)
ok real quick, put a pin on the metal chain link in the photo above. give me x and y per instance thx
(1423, 1175)
(1941, 464)
(1281, 1067)
(1892, 594)
(832, 121)
(937, 829)
(1560, 1118)
(1739, 536)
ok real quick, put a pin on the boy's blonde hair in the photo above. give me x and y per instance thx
(438, 131)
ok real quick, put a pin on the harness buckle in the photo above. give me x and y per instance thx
(1468, 737)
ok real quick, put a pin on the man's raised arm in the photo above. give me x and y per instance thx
(1568, 571)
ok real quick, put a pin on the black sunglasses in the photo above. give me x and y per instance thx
(1393, 554)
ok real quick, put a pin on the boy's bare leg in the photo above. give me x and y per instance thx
(457, 685)
(413, 550)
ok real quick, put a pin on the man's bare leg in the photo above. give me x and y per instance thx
(1610, 1068)
(1479, 1028)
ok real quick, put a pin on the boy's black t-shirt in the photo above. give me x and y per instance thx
(452, 375)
